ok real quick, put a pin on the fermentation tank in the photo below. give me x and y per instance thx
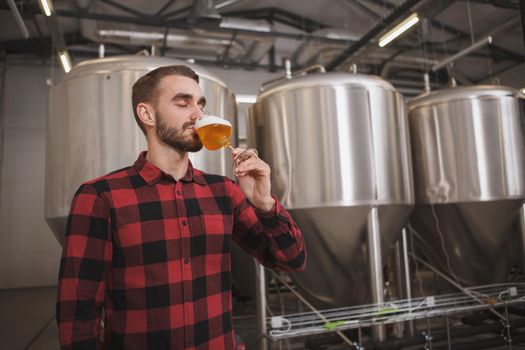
(92, 130)
(469, 170)
(338, 146)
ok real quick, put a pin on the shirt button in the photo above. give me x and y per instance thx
(184, 223)
(186, 260)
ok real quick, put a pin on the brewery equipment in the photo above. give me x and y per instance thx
(468, 148)
(92, 131)
(338, 147)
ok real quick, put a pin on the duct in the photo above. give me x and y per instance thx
(247, 24)
(201, 41)
(178, 41)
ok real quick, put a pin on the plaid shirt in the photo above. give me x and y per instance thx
(154, 253)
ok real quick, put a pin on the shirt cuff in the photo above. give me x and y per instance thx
(274, 217)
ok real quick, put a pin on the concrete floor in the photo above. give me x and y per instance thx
(27, 319)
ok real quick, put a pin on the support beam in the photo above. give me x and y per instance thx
(362, 8)
(124, 8)
(522, 13)
(164, 8)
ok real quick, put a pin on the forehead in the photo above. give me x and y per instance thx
(174, 84)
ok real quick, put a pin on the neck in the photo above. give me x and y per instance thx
(167, 159)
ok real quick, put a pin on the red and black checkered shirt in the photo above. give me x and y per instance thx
(154, 254)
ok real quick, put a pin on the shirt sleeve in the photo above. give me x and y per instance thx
(84, 265)
(271, 237)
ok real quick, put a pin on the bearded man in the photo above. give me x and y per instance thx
(147, 248)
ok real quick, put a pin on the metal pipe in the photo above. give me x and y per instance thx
(287, 68)
(260, 283)
(473, 47)
(522, 230)
(426, 79)
(18, 18)
(315, 67)
(448, 334)
(522, 14)
(399, 279)
(375, 263)
(408, 285)
(101, 51)
(398, 260)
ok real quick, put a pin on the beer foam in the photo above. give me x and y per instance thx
(211, 119)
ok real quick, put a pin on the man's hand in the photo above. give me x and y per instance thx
(254, 179)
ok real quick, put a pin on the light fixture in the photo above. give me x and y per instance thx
(398, 30)
(65, 60)
(523, 91)
(245, 98)
(47, 7)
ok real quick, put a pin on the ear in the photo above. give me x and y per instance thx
(146, 114)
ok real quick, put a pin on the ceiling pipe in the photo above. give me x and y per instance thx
(474, 47)
(176, 41)
(18, 19)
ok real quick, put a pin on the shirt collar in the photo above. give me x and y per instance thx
(151, 174)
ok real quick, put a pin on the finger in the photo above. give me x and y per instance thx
(237, 151)
(245, 168)
(245, 155)
(253, 165)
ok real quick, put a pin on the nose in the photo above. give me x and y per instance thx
(198, 114)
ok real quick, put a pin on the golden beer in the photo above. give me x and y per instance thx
(214, 132)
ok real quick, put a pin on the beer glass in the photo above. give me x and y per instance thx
(215, 133)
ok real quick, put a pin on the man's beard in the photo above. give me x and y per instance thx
(174, 137)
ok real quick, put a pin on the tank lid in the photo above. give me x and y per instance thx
(462, 93)
(131, 62)
(324, 79)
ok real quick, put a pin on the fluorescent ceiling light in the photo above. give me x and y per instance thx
(47, 6)
(398, 30)
(245, 98)
(65, 60)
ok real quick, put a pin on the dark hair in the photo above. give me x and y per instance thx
(146, 88)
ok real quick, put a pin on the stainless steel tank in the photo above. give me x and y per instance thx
(92, 131)
(338, 146)
(469, 169)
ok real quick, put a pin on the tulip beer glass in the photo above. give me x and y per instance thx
(215, 133)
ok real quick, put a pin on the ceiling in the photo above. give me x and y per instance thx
(258, 34)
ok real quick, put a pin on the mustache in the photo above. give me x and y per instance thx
(187, 125)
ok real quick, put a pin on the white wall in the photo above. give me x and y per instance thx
(244, 82)
(29, 253)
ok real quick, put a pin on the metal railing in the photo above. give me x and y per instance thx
(356, 317)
